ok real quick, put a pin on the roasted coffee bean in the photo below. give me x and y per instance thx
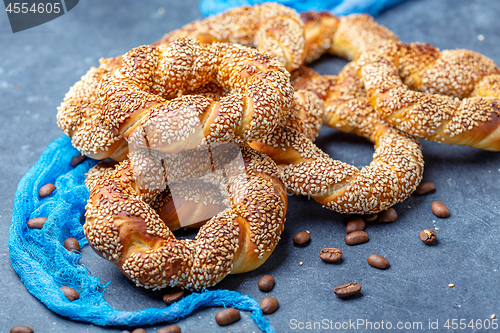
(227, 316)
(427, 236)
(389, 215)
(356, 237)
(21, 329)
(71, 244)
(70, 293)
(370, 217)
(170, 329)
(269, 305)
(330, 254)
(173, 295)
(139, 330)
(77, 160)
(355, 224)
(266, 283)
(424, 188)
(348, 289)
(301, 238)
(439, 209)
(378, 261)
(37, 223)
(46, 190)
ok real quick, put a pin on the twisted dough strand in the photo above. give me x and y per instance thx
(394, 173)
(122, 227)
(430, 110)
(260, 95)
(473, 120)
(346, 36)
(270, 27)
(77, 116)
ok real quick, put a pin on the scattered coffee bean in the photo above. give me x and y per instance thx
(269, 305)
(427, 236)
(77, 160)
(356, 224)
(37, 223)
(46, 190)
(170, 329)
(439, 209)
(71, 244)
(70, 293)
(227, 316)
(348, 289)
(424, 188)
(173, 295)
(301, 238)
(387, 216)
(330, 254)
(266, 283)
(356, 237)
(370, 217)
(378, 261)
(21, 329)
(139, 330)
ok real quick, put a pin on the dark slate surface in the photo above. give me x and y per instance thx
(39, 65)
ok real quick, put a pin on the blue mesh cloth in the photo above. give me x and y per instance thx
(44, 265)
(338, 7)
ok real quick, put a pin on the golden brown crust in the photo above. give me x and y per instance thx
(394, 173)
(436, 112)
(259, 95)
(270, 27)
(346, 36)
(122, 227)
(436, 78)
(133, 105)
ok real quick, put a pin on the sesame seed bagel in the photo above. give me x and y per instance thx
(458, 97)
(450, 96)
(77, 117)
(345, 36)
(123, 227)
(270, 27)
(136, 99)
(193, 203)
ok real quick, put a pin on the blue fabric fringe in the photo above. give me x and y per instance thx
(44, 265)
(337, 7)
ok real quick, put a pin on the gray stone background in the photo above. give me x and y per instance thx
(38, 66)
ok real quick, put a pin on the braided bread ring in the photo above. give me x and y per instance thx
(389, 66)
(472, 121)
(270, 27)
(123, 228)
